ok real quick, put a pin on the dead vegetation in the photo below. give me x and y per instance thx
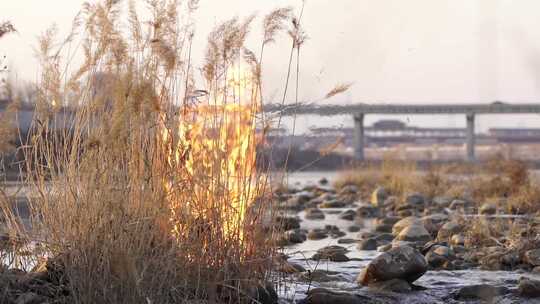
(508, 183)
(142, 183)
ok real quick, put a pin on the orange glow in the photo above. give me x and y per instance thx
(213, 151)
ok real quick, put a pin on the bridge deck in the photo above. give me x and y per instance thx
(493, 108)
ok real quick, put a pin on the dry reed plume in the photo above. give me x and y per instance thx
(143, 185)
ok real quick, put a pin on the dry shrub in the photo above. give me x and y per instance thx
(142, 192)
(398, 177)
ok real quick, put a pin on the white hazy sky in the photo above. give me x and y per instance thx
(395, 51)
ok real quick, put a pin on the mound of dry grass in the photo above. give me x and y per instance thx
(506, 182)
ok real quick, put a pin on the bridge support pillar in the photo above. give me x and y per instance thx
(470, 137)
(359, 137)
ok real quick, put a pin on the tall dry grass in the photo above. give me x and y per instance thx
(122, 208)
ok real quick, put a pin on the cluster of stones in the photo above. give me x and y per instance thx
(414, 235)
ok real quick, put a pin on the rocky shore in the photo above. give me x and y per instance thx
(397, 240)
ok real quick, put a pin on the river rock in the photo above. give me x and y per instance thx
(442, 201)
(402, 262)
(532, 257)
(290, 268)
(325, 296)
(348, 215)
(294, 203)
(434, 222)
(323, 181)
(403, 223)
(314, 214)
(347, 241)
(367, 244)
(414, 233)
(458, 204)
(416, 200)
(457, 240)
(317, 234)
(394, 285)
(296, 236)
(391, 201)
(367, 211)
(529, 288)
(447, 230)
(321, 276)
(438, 256)
(354, 228)
(332, 253)
(384, 248)
(488, 209)
(479, 292)
(333, 204)
(287, 223)
(30, 298)
(381, 227)
(349, 189)
(379, 196)
(265, 294)
(384, 237)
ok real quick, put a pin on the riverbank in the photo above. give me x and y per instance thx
(461, 250)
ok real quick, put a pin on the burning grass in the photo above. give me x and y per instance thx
(145, 187)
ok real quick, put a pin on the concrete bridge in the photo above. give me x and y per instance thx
(359, 111)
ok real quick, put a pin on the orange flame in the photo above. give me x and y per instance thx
(214, 154)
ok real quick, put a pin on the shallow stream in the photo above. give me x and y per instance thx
(439, 284)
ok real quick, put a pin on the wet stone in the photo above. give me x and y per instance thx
(448, 230)
(402, 262)
(480, 292)
(379, 196)
(287, 223)
(317, 234)
(533, 257)
(394, 285)
(348, 215)
(354, 228)
(529, 288)
(333, 204)
(314, 214)
(414, 233)
(403, 223)
(347, 241)
(367, 244)
(325, 296)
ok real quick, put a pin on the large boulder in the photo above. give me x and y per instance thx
(415, 233)
(404, 262)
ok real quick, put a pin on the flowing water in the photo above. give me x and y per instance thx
(439, 284)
